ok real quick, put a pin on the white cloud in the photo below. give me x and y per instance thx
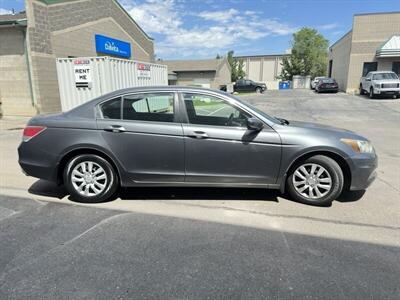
(219, 16)
(4, 11)
(328, 26)
(186, 33)
(156, 16)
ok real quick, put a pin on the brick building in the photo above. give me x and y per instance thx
(372, 44)
(31, 41)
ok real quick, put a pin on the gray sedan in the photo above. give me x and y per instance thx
(184, 136)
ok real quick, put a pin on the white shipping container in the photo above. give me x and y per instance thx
(85, 78)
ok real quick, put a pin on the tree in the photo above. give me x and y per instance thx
(309, 55)
(218, 56)
(236, 67)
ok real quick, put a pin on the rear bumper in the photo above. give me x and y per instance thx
(363, 172)
(328, 89)
(37, 163)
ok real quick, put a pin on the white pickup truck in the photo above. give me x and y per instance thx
(380, 83)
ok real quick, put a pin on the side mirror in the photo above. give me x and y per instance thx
(368, 79)
(255, 124)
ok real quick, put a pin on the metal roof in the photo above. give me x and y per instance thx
(391, 48)
(10, 19)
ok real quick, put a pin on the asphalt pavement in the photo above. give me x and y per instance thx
(196, 243)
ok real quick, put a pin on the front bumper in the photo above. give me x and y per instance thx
(363, 171)
(388, 91)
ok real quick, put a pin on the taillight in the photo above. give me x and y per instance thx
(31, 131)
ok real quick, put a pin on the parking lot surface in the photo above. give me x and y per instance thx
(209, 243)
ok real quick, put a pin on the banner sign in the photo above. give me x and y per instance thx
(107, 45)
(82, 73)
(143, 70)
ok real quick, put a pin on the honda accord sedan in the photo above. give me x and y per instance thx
(185, 136)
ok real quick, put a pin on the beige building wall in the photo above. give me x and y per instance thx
(340, 56)
(263, 68)
(369, 33)
(350, 53)
(68, 29)
(195, 77)
(79, 40)
(223, 75)
(14, 81)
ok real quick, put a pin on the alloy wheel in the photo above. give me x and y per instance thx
(312, 181)
(89, 178)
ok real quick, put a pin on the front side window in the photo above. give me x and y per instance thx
(157, 107)
(209, 110)
(111, 109)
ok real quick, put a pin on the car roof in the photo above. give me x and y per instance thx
(376, 72)
(86, 109)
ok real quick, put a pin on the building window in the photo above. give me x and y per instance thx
(396, 67)
(330, 68)
(369, 67)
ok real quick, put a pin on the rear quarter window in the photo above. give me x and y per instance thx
(111, 109)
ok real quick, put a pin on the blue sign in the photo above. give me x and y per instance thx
(107, 45)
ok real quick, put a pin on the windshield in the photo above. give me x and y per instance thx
(328, 80)
(260, 112)
(381, 76)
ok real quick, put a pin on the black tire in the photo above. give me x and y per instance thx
(335, 172)
(111, 184)
(258, 90)
(371, 93)
(362, 92)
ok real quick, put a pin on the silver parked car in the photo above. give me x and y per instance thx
(184, 136)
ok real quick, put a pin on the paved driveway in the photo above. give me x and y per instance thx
(215, 243)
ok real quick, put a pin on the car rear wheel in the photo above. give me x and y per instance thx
(317, 181)
(90, 178)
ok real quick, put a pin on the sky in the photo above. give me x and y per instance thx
(194, 29)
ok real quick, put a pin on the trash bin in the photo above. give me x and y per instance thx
(284, 85)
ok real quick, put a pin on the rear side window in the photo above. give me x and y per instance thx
(156, 107)
(111, 109)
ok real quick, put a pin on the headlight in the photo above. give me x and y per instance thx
(359, 146)
(377, 85)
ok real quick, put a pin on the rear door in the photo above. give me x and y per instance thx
(220, 149)
(143, 133)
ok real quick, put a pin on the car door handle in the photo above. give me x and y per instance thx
(115, 128)
(198, 135)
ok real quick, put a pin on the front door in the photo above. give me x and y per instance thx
(144, 136)
(220, 149)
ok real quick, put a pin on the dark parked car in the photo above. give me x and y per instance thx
(183, 136)
(327, 85)
(245, 85)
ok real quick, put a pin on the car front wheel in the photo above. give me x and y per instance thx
(371, 93)
(90, 178)
(317, 181)
(258, 90)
